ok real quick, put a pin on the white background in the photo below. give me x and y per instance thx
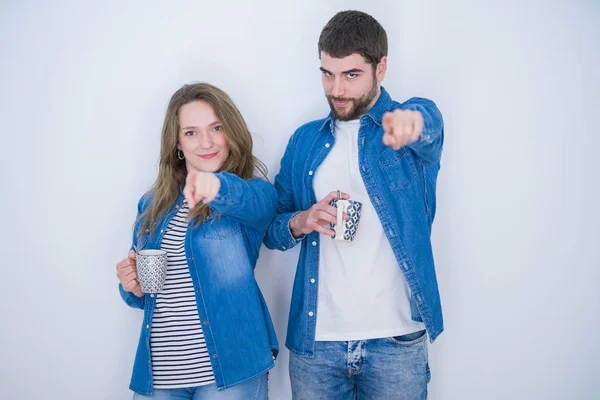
(83, 91)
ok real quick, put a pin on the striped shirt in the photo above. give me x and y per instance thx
(180, 358)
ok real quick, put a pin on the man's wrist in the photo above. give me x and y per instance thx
(294, 226)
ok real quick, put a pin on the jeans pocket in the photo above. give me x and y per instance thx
(428, 373)
(410, 339)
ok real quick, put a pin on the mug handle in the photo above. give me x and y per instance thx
(340, 219)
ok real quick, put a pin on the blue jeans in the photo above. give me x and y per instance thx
(393, 368)
(254, 389)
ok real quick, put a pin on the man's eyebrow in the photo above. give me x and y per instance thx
(350, 71)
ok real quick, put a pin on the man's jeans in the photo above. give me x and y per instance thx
(382, 369)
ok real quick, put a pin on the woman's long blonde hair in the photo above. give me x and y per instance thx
(172, 171)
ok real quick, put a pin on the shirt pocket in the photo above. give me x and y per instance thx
(219, 228)
(398, 167)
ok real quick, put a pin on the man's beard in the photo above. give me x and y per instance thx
(358, 106)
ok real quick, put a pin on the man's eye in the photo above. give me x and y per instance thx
(352, 76)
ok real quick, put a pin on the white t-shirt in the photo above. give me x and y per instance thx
(362, 292)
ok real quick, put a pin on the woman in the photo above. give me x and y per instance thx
(208, 334)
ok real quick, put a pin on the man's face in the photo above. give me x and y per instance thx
(351, 84)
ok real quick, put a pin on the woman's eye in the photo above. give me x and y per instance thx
(190, 133)
(218, 128)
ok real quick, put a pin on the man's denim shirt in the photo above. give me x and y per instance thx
(401, 186)
(222, 253)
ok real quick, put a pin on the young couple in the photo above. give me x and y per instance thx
(360, 311)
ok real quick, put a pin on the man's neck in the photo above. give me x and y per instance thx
(375, 98)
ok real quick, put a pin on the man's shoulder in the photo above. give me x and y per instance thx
(411, 103)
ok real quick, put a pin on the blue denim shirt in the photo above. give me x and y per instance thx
(401, 186)
(222, 254)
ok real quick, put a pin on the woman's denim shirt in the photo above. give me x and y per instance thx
(221, 253)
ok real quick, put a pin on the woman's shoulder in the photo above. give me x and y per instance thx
(145, 201)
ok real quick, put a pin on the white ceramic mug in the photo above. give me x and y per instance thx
(346, 230)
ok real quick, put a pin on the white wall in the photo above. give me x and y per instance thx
(83, 90)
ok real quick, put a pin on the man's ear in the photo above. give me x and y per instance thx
(381, 69)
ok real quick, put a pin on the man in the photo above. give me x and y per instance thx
(361, 311)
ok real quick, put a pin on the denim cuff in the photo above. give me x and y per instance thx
(131, 299)
(285, 233)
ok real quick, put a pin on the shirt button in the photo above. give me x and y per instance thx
(177, 206)
(310, 172)
(151, 294)
(147, 326)
(214, 356)
(312, 280)
(191, 259)
(283, 247)
(314, 243)
(327, 145)
(198, 290)
(162, 230)
(310, 314)
(205, 322)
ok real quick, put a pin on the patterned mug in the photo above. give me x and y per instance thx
(151, 269)
(346, 230)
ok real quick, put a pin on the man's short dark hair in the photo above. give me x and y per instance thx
(350, 32)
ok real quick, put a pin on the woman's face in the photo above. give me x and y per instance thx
(201, 137)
